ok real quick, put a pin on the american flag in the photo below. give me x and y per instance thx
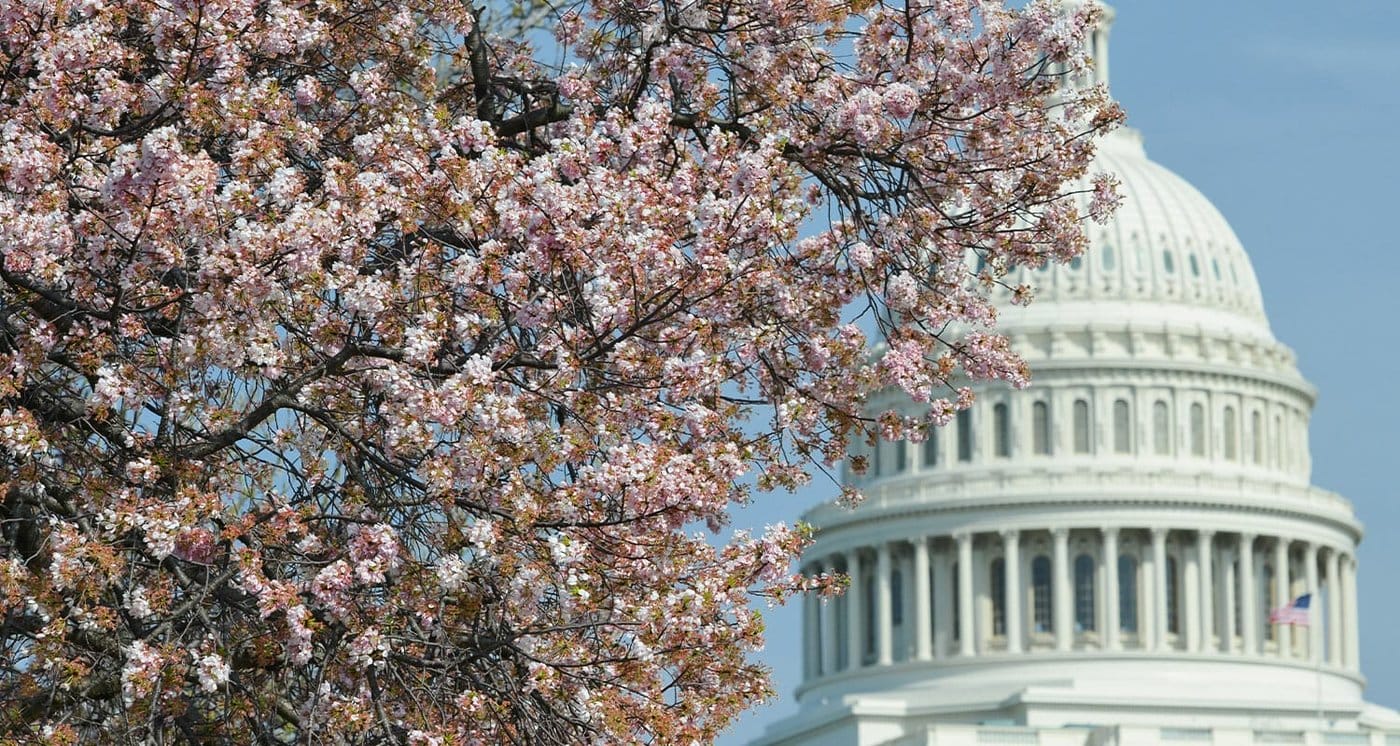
(1294, 613)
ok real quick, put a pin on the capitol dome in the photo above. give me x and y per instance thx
(1099, 558)
(1167, 248)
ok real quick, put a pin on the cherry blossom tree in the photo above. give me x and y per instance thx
(368, 378)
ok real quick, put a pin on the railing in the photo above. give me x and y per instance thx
(953, 734)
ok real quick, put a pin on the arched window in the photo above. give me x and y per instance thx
(1040, 428)
(877, 462)
(1127, 593)
(1107, 254)
(1215, 265)
(1161, 429)
(931, 448)
(1267, 599)
(1173, 589)
(1084, 593)
(1231, 447)
(869, 616)
(1257, 430)
(965, 435)
(901, 456)
(1277, 436)
(896, 597)
(1167, 262)
(1235, 599)
(1075, 263)
(1198, 430)
(1081, 426)
(1122, 427)
(998, 583)
(1040, 594)
(933, 608)
(957, 613)
(1195, 266)
(1001, 430)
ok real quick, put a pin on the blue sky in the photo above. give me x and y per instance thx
(1285, 114)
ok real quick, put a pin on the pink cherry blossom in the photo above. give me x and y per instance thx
(369, 374)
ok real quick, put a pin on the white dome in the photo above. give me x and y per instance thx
(1167, 251)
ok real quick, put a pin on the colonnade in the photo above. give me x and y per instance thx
(1108, 589)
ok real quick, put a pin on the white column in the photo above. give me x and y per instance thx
(884, 610)
(1314, 628)
(1205, 556)
(1015, 621)
(855, 613)
(1112, 619)
(1281, 595)
(1249, 596)
(981, 602)
(1227, 601)
(1061, 593)
(921, 616)
(966, 633)
(942, 605)
(1188, 613)
(828, 622)
(1159, 588)
(1353, 621)
(1334, 610)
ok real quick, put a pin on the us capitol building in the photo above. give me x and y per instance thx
(1092, 561)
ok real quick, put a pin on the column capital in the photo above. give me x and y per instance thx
(1109, 530)
(1158, 533)
(1010, 534)
(961, 536)
(1206, 533)
(1059, 532)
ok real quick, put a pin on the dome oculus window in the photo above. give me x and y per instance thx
(1040, 428)
(1122, 435)
(1231, 448)
(1001, 430)
(965, 435)
(1081, 426)
(1198, 430)
(1161, 429)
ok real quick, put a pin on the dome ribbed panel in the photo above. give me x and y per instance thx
(1166, 246)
